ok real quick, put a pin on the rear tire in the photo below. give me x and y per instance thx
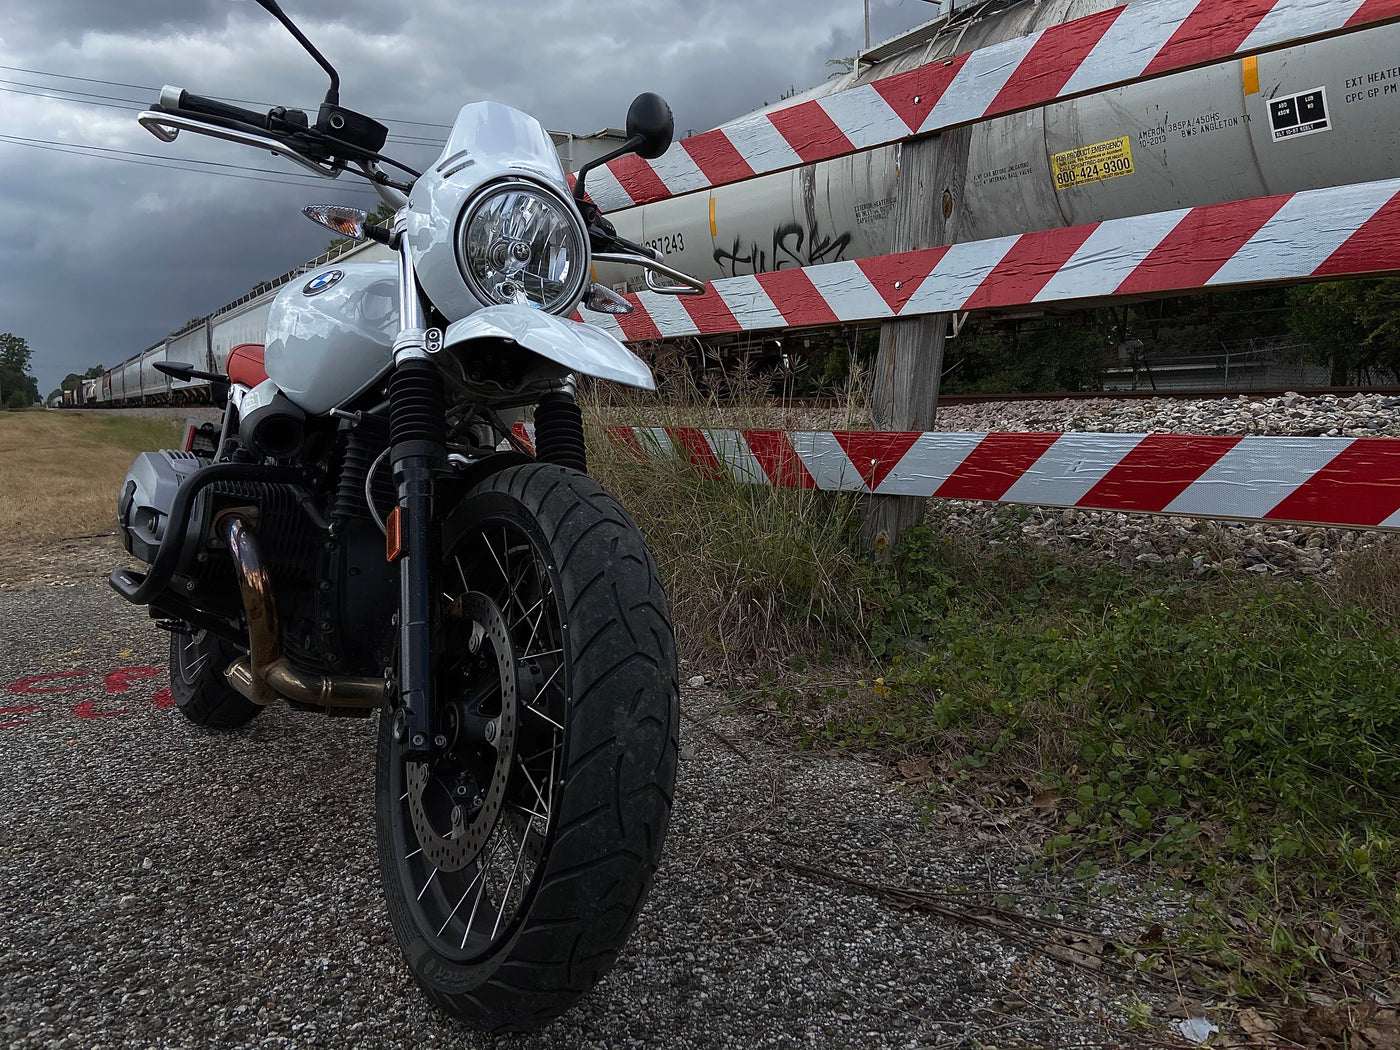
(198, 686)
(544, 841)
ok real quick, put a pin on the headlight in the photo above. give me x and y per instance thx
(518, 243)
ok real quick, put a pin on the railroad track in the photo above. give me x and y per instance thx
(1112, 395)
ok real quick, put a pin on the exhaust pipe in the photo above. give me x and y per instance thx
(265, 674)
(264, 637)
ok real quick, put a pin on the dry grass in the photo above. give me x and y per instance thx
(1370, 577)
(59, 477)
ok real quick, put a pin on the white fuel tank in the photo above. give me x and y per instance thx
(331, 335)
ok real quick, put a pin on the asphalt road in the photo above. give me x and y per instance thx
(165, 886)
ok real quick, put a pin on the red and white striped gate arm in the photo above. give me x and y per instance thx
(1342, 231)
(1351, 482)
(1138, 41)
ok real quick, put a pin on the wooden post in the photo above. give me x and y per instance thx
(927, 208)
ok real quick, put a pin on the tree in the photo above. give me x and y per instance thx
(1351, 326)
(842, 66)
(18, 389)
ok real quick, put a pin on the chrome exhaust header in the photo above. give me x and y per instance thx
(265, 674)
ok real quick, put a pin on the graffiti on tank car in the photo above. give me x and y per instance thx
(117, 682)
(735, 263)
(794, 246)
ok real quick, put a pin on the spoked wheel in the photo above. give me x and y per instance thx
(516, 861)
(198, 686)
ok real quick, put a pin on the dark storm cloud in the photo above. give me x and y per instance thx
(49, 21)
(102, 258)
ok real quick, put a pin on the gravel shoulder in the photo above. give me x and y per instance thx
(165, 886)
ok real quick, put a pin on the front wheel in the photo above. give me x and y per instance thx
(515, 863)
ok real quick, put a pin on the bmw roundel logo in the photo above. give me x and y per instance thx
(321, 282)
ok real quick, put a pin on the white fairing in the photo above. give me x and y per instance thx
(326, 346)
(489, 141)
(577, 347)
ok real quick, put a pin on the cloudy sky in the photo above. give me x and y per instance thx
(104, 253)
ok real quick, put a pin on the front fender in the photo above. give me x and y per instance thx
(576, 346)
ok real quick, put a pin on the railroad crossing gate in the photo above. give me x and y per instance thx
(1334, 232)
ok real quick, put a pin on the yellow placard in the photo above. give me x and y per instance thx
(1249, 68)
(1086, 164)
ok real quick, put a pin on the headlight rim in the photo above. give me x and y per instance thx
(567, 302)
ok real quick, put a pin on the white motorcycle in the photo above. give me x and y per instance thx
(365, 535)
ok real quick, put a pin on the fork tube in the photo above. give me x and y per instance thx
(418, 450)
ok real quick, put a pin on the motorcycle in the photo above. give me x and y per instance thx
(365, 535)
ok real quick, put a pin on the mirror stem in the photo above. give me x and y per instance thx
(333, 94)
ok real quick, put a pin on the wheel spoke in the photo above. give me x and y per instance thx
(529, 812)
(504, 575)
(481, 874)
(505, 894)
(540, 714)
(548, 809)
(427, 884)
(464, 896)
(535, 627)
(544, 802)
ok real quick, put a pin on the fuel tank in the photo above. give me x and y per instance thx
(1324, 113)
(330, 336)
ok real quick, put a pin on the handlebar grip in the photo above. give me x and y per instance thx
(178, 98)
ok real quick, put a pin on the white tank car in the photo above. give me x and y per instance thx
(1194, 138)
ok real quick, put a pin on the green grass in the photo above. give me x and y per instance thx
(134, 435)
(1237, 737)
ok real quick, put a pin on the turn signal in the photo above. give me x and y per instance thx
(393, 535)
(348, 222)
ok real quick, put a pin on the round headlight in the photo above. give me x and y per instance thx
(520, 244)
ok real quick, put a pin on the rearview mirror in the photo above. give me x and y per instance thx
(649, 119)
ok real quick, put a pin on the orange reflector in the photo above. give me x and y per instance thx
(189, 437)
(393, 535)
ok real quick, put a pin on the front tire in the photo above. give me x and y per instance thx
(516, 863)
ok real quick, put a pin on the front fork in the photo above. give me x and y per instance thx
(418, 452)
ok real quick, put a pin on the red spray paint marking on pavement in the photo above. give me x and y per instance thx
(114, 682)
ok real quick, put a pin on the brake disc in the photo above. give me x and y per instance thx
(457, 848)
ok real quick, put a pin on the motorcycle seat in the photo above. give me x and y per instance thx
(245, 364)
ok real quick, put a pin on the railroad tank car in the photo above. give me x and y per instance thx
(155, 386)
(243, 324)
(1193, 138)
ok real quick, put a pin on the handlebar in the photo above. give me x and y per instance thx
(346, 137)
(178, 98)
